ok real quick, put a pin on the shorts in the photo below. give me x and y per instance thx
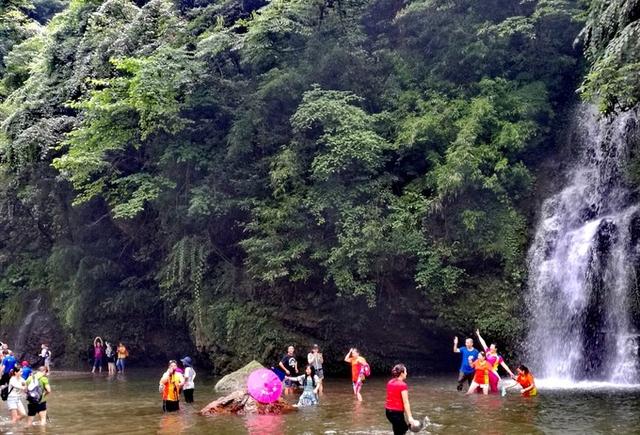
(320, 373)
(35, 408)
(14, 403)
(170, 405)
(398, 423)
(4, 380)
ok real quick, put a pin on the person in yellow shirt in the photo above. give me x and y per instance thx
(123, 353)
(171, 383)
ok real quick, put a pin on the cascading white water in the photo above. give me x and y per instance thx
(20, 341)
(582, 262)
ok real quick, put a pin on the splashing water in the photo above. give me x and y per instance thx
(582, 263)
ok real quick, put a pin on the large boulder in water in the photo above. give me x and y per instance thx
(241, 403)
(238, 379)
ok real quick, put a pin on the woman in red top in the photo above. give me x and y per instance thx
(397, 405)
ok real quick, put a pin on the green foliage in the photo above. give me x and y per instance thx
(204, 164)
(612, 46)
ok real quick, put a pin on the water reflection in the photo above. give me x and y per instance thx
(265, 424)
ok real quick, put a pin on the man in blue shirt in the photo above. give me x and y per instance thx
(26, 370)
(8, 362)
(466, 371)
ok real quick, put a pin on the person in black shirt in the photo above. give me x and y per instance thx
(289, 364)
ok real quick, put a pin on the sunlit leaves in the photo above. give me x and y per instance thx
(343, 131)
(612, 38)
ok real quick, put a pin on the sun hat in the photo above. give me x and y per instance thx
(186, 361)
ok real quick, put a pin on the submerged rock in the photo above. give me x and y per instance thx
(241, 403)
(238, 379)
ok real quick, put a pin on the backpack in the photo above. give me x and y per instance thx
(4, 393)
(365, 370)
(34, 390)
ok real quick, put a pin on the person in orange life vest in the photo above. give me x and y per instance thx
(481, 376)
(170, 385)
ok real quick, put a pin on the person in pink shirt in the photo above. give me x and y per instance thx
(98, 352)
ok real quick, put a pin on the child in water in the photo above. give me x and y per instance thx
(310, 386)
(481, 376)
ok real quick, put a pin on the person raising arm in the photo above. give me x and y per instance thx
(494, 360)
(466, 371)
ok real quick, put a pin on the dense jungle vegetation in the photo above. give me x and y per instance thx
(237, 175)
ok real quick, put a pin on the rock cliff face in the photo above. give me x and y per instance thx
(38, 326)
(392, 333)
(149, 341)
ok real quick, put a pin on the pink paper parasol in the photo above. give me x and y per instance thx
(264, 386)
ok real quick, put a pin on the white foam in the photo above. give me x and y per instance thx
(568, 384)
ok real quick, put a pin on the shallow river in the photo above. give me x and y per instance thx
(131, 405)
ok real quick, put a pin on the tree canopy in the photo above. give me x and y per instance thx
(207, 162)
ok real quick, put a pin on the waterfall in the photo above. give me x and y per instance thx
(583, 259)
(25, 327)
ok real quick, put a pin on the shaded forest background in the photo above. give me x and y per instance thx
(227, 177)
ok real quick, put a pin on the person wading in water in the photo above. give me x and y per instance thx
(289, 364)
(397, 407)
(170, 384)
(315, 359)
(466, 371)
(359, 370)
(98, 353)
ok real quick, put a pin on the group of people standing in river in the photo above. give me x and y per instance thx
(19, 381)
(103, 351)
(311, 380)
(480, 369)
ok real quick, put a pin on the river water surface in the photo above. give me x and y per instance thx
(131, 404)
